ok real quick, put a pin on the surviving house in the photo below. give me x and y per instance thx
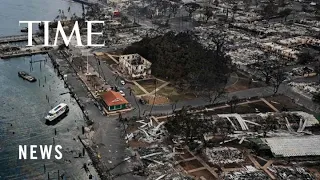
(114, 101)
(134, 65)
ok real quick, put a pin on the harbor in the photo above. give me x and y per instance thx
(20, 53)
(28, 126)
(15, 38)
(25, 105)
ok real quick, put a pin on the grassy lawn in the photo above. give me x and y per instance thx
(173, 94)
(137, 90)
(149, 85)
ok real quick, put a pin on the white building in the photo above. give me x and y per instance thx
(135, 65)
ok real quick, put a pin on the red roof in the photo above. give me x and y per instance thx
(112, 98)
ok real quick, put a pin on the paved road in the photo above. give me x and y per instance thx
(107, 73)
(165, 109)
(107, 136)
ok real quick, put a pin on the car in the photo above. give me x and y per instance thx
(122, 82)
(122, 93)
(142, 101)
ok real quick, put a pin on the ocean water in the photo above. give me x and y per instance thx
(13, 11)
(23, 105)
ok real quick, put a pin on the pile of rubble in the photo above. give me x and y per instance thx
(249, 173)
(245, 56)
(148, 132)
(223, 155)
(301, 71)
(165, 172)
(158, 163)
(290, 173)
(306, 88)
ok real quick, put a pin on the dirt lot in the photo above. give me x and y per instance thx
(189, 165)
(138, 144)
(282, 102)
(205, 173)
(136, 90)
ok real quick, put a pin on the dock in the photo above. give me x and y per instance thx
(16, 38)
(24, 52)
(19, 38)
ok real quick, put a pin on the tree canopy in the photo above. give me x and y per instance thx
(182, 59)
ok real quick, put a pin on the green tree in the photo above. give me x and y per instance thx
(181, 59)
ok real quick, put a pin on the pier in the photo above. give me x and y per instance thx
(22, 53)
(25, 52)
(19, 38)
(16, 38)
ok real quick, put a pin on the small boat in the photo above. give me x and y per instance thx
(25, 29)
(57, 112)
(26, 76)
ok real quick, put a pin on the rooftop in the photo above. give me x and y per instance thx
(294, 146)
(112, 98)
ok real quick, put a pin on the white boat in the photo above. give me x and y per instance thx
(57, 112)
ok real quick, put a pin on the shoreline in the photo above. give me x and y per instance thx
(85, 141)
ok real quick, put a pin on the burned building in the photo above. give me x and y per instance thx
(134, 66)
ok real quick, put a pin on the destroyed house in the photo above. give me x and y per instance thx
(114, 101)
(134, 65)
(294, 146)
